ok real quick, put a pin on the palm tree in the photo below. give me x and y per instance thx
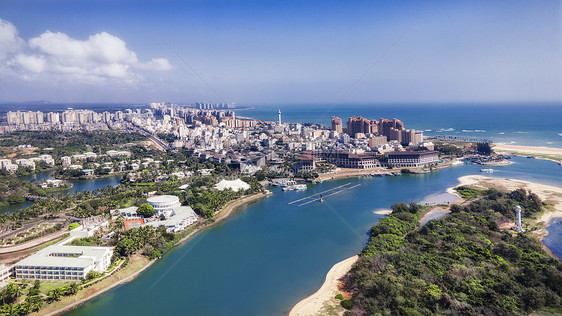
(72, 288)
(54, 295)
(36, 302)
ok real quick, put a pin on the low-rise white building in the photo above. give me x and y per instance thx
(28, 163)
(178, 219)
(127, 213)
(164, 204)
(66, 160)
(64, 263)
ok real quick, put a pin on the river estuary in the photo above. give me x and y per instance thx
(269, 255)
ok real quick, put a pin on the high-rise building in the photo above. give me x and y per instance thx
(337, 124)
(358, 125)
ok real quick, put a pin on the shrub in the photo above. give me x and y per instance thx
(339, 296)
(347, 304)
(73, 226)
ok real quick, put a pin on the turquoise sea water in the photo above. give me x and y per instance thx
(518, 124)
(269, 255)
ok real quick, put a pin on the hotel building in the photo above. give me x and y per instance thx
(402, 159)
(64, 263)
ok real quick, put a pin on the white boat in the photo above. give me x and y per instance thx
(298, 187)
(487, 170)
(287, 183)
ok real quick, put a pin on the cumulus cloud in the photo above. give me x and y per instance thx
(9, 40)
(100, 58)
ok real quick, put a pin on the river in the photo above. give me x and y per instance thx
(269, 255)
(77, 186)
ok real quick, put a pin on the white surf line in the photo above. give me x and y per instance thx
(323, 192)
(333, 193)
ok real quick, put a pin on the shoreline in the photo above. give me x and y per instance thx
(550, 194)
(546, 153)
(227, 210)
(312, 304)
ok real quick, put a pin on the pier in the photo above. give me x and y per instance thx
(321, 195)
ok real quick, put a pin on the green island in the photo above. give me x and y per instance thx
(465, 263)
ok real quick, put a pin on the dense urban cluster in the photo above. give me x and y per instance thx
(212, 131)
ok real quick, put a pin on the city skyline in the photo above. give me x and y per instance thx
(261, 53)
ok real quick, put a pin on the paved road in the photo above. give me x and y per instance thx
(33, 243)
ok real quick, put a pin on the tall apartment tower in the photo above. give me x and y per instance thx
(358, 125)
(279, 113)
(337, 125)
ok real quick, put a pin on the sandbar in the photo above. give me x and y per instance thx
(554, 154)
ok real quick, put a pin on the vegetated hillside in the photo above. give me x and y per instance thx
(462, 264)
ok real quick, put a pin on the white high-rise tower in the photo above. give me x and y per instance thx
(279, 112)
(519, 227)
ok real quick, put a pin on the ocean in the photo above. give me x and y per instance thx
(525, 124)
(530, 124)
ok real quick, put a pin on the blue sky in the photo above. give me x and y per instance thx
(281, 52)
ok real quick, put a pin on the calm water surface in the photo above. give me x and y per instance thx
(78, 186)
(269, 255)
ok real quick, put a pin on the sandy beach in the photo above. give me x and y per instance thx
(314, 304)
(554, 154)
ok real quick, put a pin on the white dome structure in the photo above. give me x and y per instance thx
(164, 203)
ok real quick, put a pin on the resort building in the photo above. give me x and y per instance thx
(66, 160)
(64, 263)
(127, 213)
(164, 204)
(6, 272)
(403, 159)
(345, 159)
(307, 163)
(176, 220)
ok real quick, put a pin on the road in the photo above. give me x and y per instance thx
(157, 141)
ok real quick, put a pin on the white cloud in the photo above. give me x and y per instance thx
(158, 64)
(102, 58)
(9, 39)
(31, 63)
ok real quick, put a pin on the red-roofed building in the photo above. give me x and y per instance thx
(134, 223)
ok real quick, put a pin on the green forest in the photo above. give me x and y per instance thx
(67, 143)
(462, 264)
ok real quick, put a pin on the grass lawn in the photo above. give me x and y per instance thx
(47, 286)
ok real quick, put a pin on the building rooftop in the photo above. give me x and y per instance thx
(162, 198)
(75, 256)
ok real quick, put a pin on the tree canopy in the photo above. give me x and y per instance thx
(146, 210)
